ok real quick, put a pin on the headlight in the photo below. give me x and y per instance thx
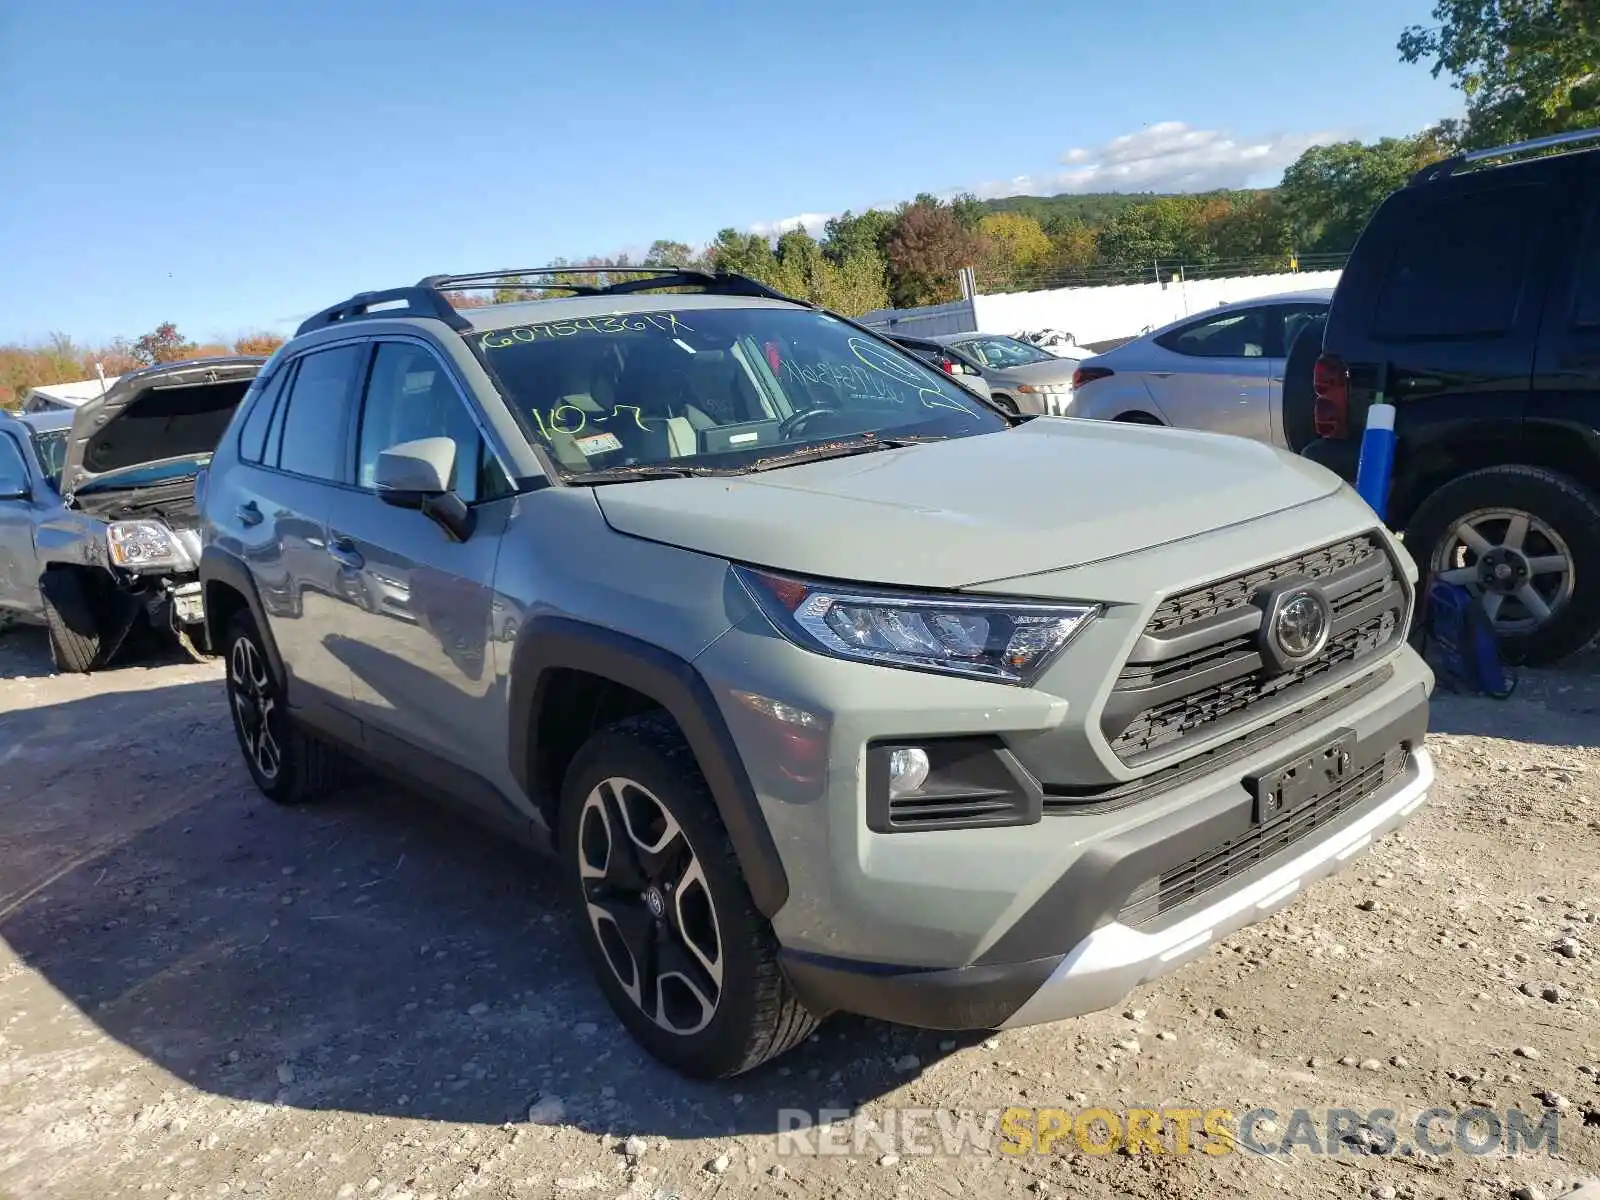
(1004, 641)
(1045, 389)
(145, 545)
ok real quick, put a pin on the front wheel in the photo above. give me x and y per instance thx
(1526, 541)
(685, 960)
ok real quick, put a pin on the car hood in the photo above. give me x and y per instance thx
(173, 411)
(1042, 496)
(1057, 370)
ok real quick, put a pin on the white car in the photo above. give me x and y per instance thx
(1220, 370)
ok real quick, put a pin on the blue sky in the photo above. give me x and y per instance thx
(169, 160)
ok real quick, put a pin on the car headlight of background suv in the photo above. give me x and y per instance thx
(145, 546)
(1004, 641)
(1045, 389)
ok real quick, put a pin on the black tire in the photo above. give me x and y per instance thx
(1299, 385)
(1136, 418)
(1005, 402)
(756, 1015)
(297, 767)
(1565, 506)
(75, 640)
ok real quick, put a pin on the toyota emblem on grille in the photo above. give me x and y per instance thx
(1296, 625)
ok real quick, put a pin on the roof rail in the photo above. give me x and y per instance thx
(725, 283)
(421, 301)
(427, 297)
(1449, 166)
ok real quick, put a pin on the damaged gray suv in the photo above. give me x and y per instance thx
(830, 686)
(98, 525)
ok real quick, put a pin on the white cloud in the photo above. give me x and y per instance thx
(812, 223)
(1168, 156)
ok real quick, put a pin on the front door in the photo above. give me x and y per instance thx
(416, 626)
(19, 573)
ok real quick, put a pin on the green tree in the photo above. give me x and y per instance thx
(743, 253)
(668, 254)
(1162, 231)
(1526, 67)
(968, 210)
(849, 235)
(1255, 228)
(1330, 192)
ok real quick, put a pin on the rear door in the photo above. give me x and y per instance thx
(1217, 372)
(415, 626)
(292, 468)
(1450, 317)
(1564, 406)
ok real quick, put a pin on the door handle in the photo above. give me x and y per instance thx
(344, 552)
(248, 514)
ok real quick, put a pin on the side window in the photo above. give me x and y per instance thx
(316, 413)
(1234, 334)
(253, 434)
(1586, 295)
(13, 467)
(410, 396)
(1295, 319)
(1460, 269)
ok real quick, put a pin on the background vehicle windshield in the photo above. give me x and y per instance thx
(1002, 352)
(715, 387)
(52, 449)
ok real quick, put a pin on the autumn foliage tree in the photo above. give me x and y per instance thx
(927, 248)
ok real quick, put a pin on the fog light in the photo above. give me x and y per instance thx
(908, 771)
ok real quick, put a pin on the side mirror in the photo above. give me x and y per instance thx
(14, 487)
(417, 475)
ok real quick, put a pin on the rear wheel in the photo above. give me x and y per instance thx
(1526, 541)
(288, 763)
(685, 960)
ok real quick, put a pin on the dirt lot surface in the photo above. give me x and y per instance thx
(204, 995)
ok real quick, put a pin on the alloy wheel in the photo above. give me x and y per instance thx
(649, 905)
(255, 707)
(1519, 567)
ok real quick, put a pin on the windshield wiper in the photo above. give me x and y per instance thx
(641, 471)
(866, 444)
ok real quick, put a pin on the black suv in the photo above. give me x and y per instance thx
(1472, 301)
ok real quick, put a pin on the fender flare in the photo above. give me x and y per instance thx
(219, 566)
(548, 643)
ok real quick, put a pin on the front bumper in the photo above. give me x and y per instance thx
(1079, 949)
(1114, 959)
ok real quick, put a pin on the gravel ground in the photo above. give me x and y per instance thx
(203, 995)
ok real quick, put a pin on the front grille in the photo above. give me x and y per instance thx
(1231, 858)
(1198, 668)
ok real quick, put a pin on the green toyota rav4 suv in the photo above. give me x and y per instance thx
(830, 686)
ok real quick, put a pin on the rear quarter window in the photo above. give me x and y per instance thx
(1460, 264)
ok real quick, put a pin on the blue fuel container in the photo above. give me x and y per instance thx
(1376, 465)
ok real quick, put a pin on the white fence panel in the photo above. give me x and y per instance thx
(1094, 314)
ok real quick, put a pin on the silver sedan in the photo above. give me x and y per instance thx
(1220, 370)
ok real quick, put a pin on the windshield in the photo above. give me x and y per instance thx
(149, 475)
(52, 449)
(716, 388)
(1002, 352)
